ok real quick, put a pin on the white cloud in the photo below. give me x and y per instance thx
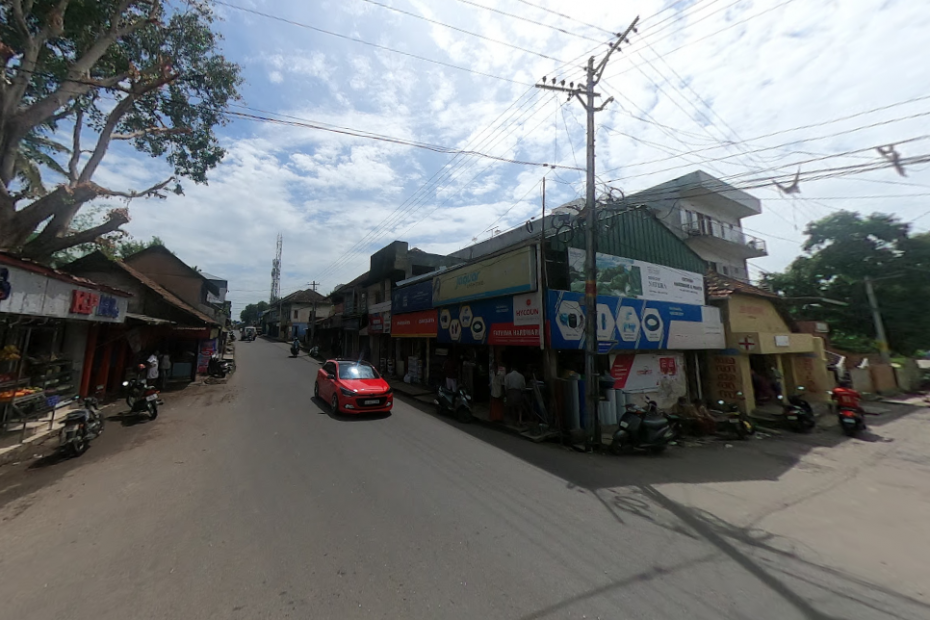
(709, 83)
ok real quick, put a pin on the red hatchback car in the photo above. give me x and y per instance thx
(351, 386)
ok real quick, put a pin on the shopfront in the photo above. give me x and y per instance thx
(763, 357)
(413, 335)
(47, 320)
(379, 334)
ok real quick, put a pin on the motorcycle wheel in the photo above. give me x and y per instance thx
(463, 415)
(131, 402)
(79, 445)
(153, 411)
(741, 430)
(316, 389)
(849, 431)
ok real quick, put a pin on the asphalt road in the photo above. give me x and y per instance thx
(248, 500)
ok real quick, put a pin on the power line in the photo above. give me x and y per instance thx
(532, 21)
(369, 43)
(371, 136)
(462, 30)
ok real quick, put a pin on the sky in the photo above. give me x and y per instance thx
(750, 91)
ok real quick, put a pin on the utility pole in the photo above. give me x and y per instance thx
(586, 95)
(879, 325)
(313, 286)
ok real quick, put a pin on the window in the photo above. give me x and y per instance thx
(329, 368)
(295, 315)
(350, 370)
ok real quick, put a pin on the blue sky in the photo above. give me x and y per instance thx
(703, 77)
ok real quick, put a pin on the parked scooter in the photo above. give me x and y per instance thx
(798, 413)
(141, 397)
(80, 427)
(295, 350)
(218, 367)
(734, 420)
(458, 402)
(642, 429)
(851, 420)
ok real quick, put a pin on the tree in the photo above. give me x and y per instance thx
(844, 249)
(128, 247)
(252, 313)
(145, 72)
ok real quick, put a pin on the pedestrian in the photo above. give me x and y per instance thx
(451, 371)
(164, 370)
(515, 384)
(152, 372)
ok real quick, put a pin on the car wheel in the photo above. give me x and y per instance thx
(335, 404)
(316, 389)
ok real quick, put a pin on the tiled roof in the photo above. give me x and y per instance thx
(149, 283)
(307, 296)
(28, 265)
(720, 287)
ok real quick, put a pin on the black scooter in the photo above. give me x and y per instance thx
(456, 402)
(295, 350)
(80, 427)
(851, 420)
(142, 398)
(642, 429)
(734, 420)
(799, 415)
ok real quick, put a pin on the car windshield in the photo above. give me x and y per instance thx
(357, 371)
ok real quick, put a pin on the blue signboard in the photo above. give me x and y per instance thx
(633, 324)
(412, 298)
(471, 323)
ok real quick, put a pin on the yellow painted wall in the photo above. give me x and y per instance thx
(754, 314)
(726, 376)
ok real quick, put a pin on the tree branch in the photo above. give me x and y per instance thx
(152, 191)
(171, 131)
(103, 141)
(76, 147)
(41, 249)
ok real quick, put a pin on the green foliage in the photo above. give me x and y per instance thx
(844, 249)
(251, 314)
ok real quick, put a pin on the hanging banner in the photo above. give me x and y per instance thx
(633, 324)
(412, 298)
(498, 276)
(526, 310)
(414, 324)
(634, 279)
(661, 374)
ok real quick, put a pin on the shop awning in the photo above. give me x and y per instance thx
(149, 320)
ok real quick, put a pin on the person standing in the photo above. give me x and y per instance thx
(152, 366)
(515, 384)
(164, 370)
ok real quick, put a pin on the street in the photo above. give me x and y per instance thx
(248, 500)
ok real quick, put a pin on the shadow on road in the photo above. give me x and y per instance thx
(342, 417)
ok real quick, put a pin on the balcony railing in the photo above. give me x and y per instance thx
(713, 228)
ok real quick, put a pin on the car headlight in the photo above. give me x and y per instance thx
(389, 392)
(346, 392)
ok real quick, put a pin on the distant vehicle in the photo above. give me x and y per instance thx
(248, 334)
(351, 386)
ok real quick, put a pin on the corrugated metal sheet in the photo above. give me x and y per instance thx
(633, 234)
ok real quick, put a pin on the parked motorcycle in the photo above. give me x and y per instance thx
(141, 397)
(734, 421)
(458, 402)
(642, 429)
(218, 367)
(295, 350)
(80, 427)
(798, 413)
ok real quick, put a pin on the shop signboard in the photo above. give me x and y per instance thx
(633, 324)
(486, 321)
(412, 298)
(26, 292)
(634, 279)
(650, 372)
(498, 276)
(375, 324)
(379, 318)
(414, 324)
(206, 351)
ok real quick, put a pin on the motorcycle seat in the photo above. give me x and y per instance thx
(654, 422)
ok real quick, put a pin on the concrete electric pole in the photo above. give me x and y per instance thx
(313, 286)
(586, 95)
(879, 325)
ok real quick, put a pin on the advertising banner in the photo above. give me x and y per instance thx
(662, 374)
(375, 324)
(414, 324)
(487, 321)
(25, 292)
(498, 276)
(634, 279)
(633, 324)
(412, 298)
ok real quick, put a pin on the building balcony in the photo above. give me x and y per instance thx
(726, 239)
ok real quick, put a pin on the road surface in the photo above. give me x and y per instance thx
(247, 500)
